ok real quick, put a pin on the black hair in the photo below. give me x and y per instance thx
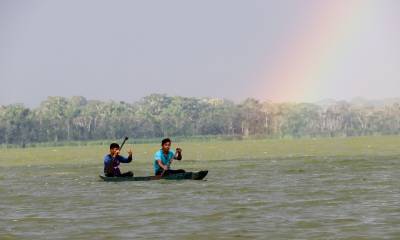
(114, 145)
(165, 140)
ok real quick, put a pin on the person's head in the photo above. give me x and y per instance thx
(114, 148)
(166, 144)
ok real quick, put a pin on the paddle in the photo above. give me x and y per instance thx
(163, 172)
(125, 139)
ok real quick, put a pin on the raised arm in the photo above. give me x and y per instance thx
(178, 154)
(128, 159)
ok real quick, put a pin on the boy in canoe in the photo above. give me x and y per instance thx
(112, 161)
(164, 157)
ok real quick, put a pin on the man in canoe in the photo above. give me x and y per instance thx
(112, 161)
(164, 157)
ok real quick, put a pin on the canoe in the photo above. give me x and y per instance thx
(180, 176)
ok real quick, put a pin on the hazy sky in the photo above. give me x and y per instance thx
(124, 50)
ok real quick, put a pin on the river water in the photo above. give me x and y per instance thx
(301, 198)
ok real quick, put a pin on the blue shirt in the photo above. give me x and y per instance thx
(165, 159)
(119, 159)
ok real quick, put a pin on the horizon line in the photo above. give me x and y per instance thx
(321, 101)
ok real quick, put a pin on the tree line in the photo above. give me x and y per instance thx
(158, 115)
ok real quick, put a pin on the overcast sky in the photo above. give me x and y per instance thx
(124, 50)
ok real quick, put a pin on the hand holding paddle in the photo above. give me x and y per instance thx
(178, 154)
(116, 153)
(165, 170)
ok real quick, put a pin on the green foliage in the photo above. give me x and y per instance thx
(60, 119)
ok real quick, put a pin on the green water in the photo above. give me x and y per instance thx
(285, 198)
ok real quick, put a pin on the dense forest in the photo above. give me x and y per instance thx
(76, 118)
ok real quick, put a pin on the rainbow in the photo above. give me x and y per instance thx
(305, 60)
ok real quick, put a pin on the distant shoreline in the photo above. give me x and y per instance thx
(59, 120)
